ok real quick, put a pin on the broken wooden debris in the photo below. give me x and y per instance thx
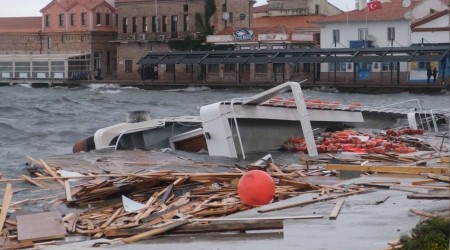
(300, 203)
(213, 226)
(156, 231)
(388, 169)
(179, 203)
(337, 208)
(427, 197)
(438, 177)
(40, 226)
(7, 197)
(421, 213)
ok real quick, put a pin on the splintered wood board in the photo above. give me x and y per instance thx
(40, 226)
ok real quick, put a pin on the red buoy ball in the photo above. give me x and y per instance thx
(256, 188)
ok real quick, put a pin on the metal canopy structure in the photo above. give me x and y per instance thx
(385, 54)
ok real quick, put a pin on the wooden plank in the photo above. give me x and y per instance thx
(40, 226)
(37, 183)
(51, 172)
(423, 186)
(421, 213)
(17, 245)
(155, 231)
(438, 177)
(337, 208)
(301, 186)
(7, 197)
(388, 169)
(427, 197)
(68, 191)
(445, 159)
(302, 217)
(416, 183)
(216, 226)
(300, 203)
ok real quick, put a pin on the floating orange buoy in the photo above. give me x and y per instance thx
(256, 188)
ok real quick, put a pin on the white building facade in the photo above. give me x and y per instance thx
(396, 24)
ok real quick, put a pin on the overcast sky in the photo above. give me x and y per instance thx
(10, 8)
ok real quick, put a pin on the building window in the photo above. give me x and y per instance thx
(339, 66)
(61, 20)
(213, 68)
(185, 8)
(47, 20)
(391, 33)
(230, 18)
(164, 24)
(174, 25)
(229, 68)
(336, 36)
(363, 33)
(134, 25)
(83, 18)
(316, 9)
(144, 24)
(186, 23)
(154, 24)
(367, 66)
(260, 68)
(386, 66)
(107, 19)
(128, 66)
(98, 18)
(72, 19)
(124, 25)
(117, 20)
(49, 43)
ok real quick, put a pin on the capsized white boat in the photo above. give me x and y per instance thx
(236, 127)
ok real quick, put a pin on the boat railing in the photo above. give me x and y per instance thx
(427, 118)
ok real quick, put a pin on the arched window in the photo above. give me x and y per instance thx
(61, 18)
(47, 19)
(83, 17)
(98, 17)
(107, 17)
(72, 16)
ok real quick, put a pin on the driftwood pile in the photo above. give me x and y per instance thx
(135, 206)
(129, 207)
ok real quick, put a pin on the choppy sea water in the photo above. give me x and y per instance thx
(40, 122)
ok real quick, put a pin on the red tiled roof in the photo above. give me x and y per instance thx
(129, 1)
(280, 28)
(389, 11)
(260, 9)
(291, 22)
(278, 24)
(20, 24)
(67, 4)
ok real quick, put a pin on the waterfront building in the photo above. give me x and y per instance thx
(164, 25)
(397, 24)
(279, 24)
(69, 41)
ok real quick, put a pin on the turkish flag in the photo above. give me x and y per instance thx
(374, 5)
